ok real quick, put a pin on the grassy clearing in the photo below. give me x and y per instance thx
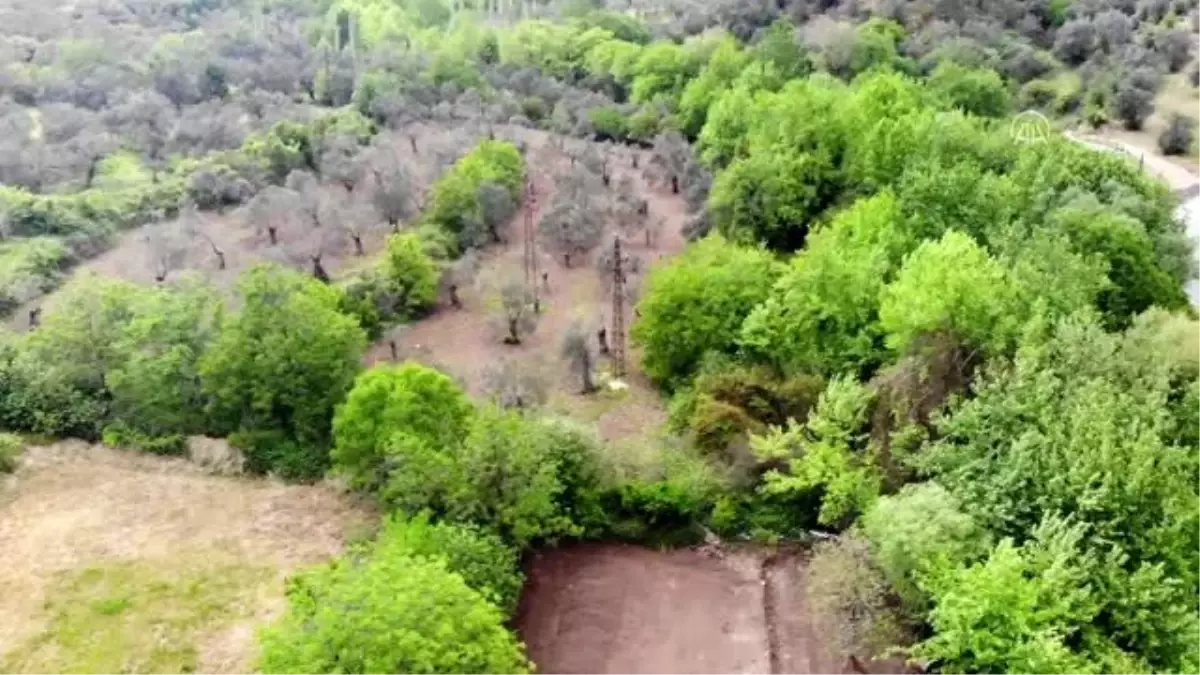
(116, 561)
(148, 616)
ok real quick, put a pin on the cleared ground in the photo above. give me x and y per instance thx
(609, 608)
(115, 562)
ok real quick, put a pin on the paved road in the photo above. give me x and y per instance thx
(1185, 184)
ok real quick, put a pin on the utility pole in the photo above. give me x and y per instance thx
(618, 311)
(530, 253)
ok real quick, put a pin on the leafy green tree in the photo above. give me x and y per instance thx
(696, 303)
(527, 477)
(829, 453)
(389, 612)
(486, 563)
(1015, 612)
(724, 66)
(400, 427)
(1138, 280)
(156, 387)
(662, 71)
(455, 202)
(780, 46)
(1075, 428)
(949, 285)
(822, 315)
(919, 529)
(975, 91)
(412, 274)
(284, 361)
(769, 198)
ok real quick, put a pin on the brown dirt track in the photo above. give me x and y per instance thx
(611, 608)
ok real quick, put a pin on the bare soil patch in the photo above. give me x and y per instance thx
(611, 608)
(75, 511)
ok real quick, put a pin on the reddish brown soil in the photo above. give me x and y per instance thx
(610, 608)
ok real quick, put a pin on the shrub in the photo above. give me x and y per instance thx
(412, 275)
(271, 451)
(915, 530)
(455, 202)
(483, 560)
(388, 612)
(845, 584)
(1177, 138)
(121, 435)
(10, 447)
(532, 479)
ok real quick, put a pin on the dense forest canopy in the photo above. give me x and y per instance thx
(966, 360)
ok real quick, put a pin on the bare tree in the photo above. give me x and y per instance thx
(516, 311)
(189, 219)
(497, 207)
(166, 246)
(459, 275)
(271, 210)
(571, 228)
(393, 192)
(670, 157)
(515, 384)
(577, 350)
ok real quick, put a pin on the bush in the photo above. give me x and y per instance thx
(412, 275)
(389, 612)
(282, 364)
(121, 435)
(10, 446)
(485, 562)
(1177, 138)
(846, 586)
(271, 451)
(696, 303)
(532, 479)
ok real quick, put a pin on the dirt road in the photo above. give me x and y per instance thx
(612, 608)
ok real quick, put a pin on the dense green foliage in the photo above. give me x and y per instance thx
(390, 610)
(970, 357)
(695, 304)
(485, 562)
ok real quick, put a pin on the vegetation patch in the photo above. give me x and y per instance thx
(145, 616)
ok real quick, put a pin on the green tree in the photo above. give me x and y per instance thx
(412, 274)
(770, 198)
(828, 453)
(822, 314)
(1138, 280)
(977, 91)
(529, 478)
(156, 388)
(1075, 428)
(390, 612)
(400, 427)
(484, 561)
(696, 303)
(1014, 612)
(921, 528)
(949, 285)
(283, 362)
